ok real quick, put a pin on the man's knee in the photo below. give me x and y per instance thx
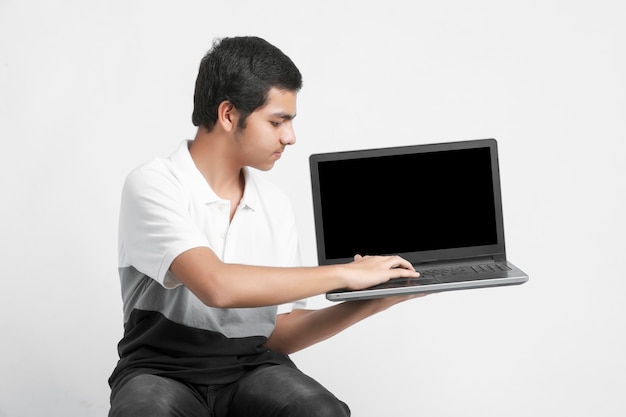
(286, 392)
(149, 395)
(317, 404)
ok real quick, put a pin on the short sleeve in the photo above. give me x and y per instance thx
(155, 226)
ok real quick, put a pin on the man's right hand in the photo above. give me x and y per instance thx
(366, 271)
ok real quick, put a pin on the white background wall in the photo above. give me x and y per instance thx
(90, 89)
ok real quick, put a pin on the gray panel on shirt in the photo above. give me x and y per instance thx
(181, 306)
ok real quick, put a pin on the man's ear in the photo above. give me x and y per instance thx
(227, 115)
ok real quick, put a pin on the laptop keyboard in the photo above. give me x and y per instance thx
(447, 275)
(463, 270)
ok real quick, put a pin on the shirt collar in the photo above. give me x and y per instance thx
(250, 197)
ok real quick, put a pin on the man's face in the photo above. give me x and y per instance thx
(268, 130)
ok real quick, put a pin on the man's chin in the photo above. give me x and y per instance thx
(265, 167)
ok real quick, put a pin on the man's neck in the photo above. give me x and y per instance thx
(213, 155)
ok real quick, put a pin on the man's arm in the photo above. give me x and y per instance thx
(223, 285)
(302, 328)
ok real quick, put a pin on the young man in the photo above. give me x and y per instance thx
(209, 262)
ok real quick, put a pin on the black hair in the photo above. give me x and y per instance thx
(240, 70)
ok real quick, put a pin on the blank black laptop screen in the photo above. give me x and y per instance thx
(410, 202)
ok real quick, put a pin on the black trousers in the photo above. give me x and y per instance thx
(276, 391)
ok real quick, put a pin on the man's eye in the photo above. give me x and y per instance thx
(276, 124)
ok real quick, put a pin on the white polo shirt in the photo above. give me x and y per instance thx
(167, 208)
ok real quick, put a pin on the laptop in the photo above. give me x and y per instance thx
(437, 205)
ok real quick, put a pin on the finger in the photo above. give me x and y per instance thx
(402, 263)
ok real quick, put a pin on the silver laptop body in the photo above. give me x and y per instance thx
(437, 205)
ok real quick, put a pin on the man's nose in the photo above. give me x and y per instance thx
(288, 136)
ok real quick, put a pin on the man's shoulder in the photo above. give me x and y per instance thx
(169, 169)
(158, 169)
